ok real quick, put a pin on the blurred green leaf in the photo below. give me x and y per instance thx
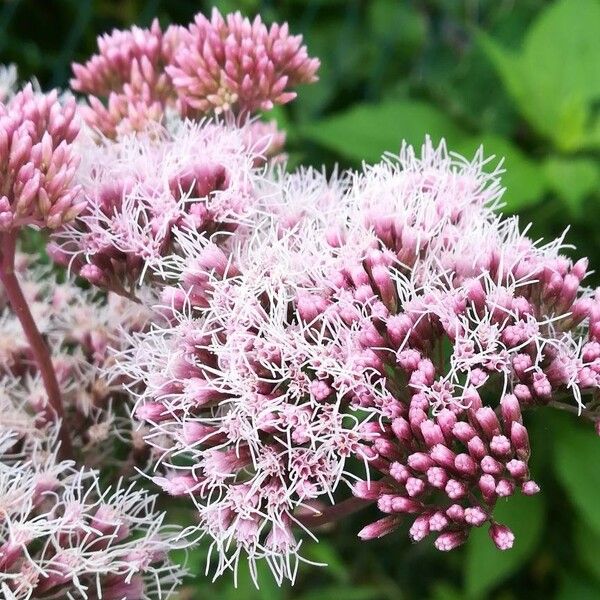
(387, 17)
(554, 77)
(572, 180)
(587, 544)
(246, 589)
(344, 593)
(366, 131)
(523, 179)
(577, 465)
(574, 587)
(324, 553)
(194, 559)
(485, 566)
(445, 591)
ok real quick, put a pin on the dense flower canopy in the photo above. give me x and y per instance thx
(270, 350)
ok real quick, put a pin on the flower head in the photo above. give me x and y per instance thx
(129, 73)
(37, 161)
(232, 64)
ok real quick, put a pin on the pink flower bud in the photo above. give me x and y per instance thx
(379, 528)
(443, 456)
(399, 472)
(463, 432)
(500, 445)
(414, 486)
(437, 477)
(455, 489)
(502, 536)
(419, 461)
(505, 488)
(465, 465)
(487, 485)
(517, 468)
(520, 440)
(511, 410)
(477, 448)
(450, 540)
(475, 516)
(530, 488)
(487, 421)
(370, 490)
(456, 512)
(438, 521)
(419, 529)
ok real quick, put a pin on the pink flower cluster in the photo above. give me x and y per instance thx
(80, 329)
(230, 63)
(221, 65)
(395, 300)
(232, 385)
(454, 320)
(60, 530)
(37, 161)
(142, 189)
(129, 72)
(263, 341)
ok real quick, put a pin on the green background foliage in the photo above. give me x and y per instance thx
(520, 77)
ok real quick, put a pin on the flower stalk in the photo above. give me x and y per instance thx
(39, 348)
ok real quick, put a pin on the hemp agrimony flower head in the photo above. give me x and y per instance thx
(216, 66)
(62, 534)
(229, 63)
(81, 328)
(272, 350)
(37, 161)
(463, 322)
(396, 305)
(233, 404)
(141, 189)
(129, 73)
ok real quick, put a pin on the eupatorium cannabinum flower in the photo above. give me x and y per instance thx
(129, 74)
(81, 327)
(221, 65)
(141, 189)
(395, 301)
(270, 342)
(232, 386)
(62, 534)
(37, 161)
(232, 64)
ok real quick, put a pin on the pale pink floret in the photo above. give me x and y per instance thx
(67, 535)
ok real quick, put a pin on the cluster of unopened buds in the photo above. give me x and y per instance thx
(248, 339)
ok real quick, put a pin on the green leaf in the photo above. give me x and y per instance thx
(577, 465)
(366, 131)
(445, 591)
(554, 78)
(587, 543)
(247, 590)
(325, 553)
(345, 592)
(572, 180)
(523, 178)
(387, 17)
(485, 566)
(574, 587)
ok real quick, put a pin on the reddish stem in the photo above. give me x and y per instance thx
(334, 513)
(40, 350)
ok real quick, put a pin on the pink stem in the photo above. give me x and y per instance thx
(41, 353)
